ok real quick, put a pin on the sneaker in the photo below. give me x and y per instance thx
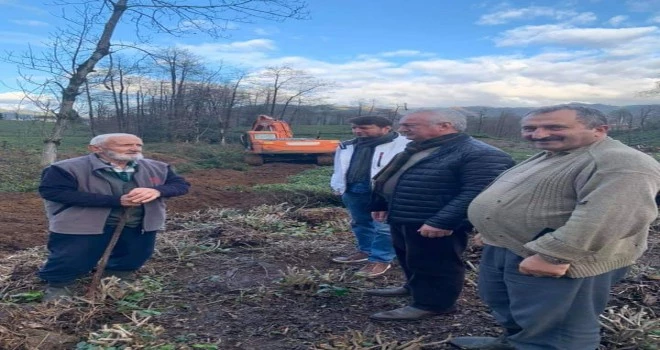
(353, 258)
(373, 269)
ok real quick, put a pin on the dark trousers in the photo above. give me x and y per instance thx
(72, 255)
(433, 267)
(543, 313)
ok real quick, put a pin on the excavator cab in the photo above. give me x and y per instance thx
(271, 139)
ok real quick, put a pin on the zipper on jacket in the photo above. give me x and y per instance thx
(380, 157)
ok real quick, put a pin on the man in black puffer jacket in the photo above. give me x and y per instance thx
(424, 194)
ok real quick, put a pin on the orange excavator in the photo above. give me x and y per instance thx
(272, 140)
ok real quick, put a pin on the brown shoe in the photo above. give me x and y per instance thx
(406, 313)
(353, 258)
(373, 269)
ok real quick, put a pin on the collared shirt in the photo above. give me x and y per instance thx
(125, 173)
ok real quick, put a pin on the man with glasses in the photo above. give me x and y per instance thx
(424, 194)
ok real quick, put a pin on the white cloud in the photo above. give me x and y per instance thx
(249, 45)
(266, 32)
(624, 62)
(582, 18)
(594, 76)
(646, 46)
(11, 97)
(617, 20)
(29, 23)
(655, 19)
(215, 49)
(405, 53)
(528, 13)
(16, 101)
(568, 36)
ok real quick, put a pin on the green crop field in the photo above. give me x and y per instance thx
(21, 145)
(28, 136)
(339, 132)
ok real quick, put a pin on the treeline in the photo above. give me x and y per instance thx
(217, 112)
(175, 96)
(635, 125)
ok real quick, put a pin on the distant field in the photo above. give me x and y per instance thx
(340, 132)
(28, 136)
(647, 138)
(21, 144)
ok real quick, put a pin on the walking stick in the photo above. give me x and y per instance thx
(96, 279)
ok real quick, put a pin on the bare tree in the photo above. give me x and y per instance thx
(225, 123)
(280, 77)
(622, 119)
(90, 109)
(305, 85)
(284, 84)
(480, 116)
(181, 67)
(647, 114)
(84, 43)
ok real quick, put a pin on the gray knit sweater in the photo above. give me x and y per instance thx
(597, 202)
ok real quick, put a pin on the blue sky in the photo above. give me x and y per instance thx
(425, 53)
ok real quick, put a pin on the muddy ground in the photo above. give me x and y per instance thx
(255, 278)
(23, 223)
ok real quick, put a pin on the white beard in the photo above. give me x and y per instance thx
(123, 157)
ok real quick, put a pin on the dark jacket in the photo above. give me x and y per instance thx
(438, 189)
(79, 199)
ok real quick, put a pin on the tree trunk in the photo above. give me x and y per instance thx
(92, 127)
(49, 154)
(72, 90)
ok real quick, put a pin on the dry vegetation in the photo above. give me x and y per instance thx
(261, 279)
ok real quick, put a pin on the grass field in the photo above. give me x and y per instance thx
(21, 145)
(29, 135)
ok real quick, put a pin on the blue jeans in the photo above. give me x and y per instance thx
(543, 313)
(72, 255)
(372, 237)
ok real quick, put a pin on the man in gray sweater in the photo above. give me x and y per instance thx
(560, 229)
